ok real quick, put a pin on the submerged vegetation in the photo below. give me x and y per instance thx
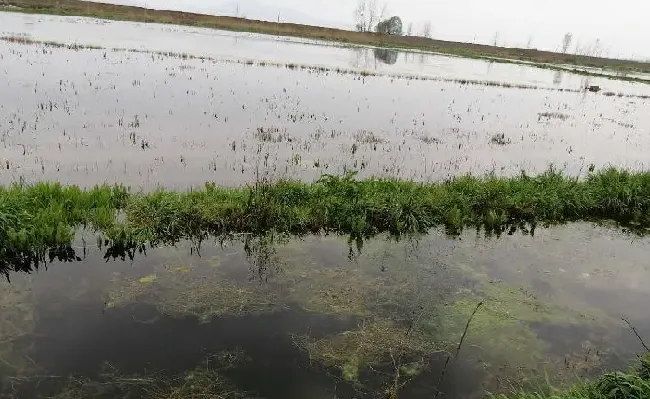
(205, 381)
(393, 330)
(38, 222)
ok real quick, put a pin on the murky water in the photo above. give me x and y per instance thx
(92, 116)
(308, 319)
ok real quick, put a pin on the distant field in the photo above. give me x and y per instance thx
(128, 13)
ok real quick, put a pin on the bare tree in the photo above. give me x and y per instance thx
(426, 30)
(371, 10)
(566, 42)
(383, 12)
(530, 41)
(597, 50)
(409, 30)
(365, 15)
(495, 41)
(359, 16)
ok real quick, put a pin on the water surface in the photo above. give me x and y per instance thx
(142, 119)
(289, 319)
(236, 45)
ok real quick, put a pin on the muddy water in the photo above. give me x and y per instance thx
(92, 116)
(549, 307)
(228, 45)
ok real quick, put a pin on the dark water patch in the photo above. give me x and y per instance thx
(82, 337)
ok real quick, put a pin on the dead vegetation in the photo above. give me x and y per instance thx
(204, 381)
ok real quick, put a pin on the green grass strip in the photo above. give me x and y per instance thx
(39, 221)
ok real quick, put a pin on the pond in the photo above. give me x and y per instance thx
(275, 317)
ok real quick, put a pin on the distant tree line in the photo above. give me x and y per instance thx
(368, 19)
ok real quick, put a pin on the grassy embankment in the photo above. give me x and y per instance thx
(545, 59)
(39, 221)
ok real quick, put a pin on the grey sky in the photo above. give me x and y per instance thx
(620, 25)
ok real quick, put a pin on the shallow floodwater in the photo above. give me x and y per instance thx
(143, 119)
(249, 46)
(314, 318)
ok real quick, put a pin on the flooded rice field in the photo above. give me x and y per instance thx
(230, 45)
(151, 106)
(87, 116)
(312, 318)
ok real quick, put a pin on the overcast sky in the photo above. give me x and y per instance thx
(621, 26)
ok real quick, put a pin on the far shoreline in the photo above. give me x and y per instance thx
(530, 57)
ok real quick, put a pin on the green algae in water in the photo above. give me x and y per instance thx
(408, 305)
(374, 342)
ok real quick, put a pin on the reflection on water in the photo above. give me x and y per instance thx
(387, 56)
(231, 45)
(300, 318)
